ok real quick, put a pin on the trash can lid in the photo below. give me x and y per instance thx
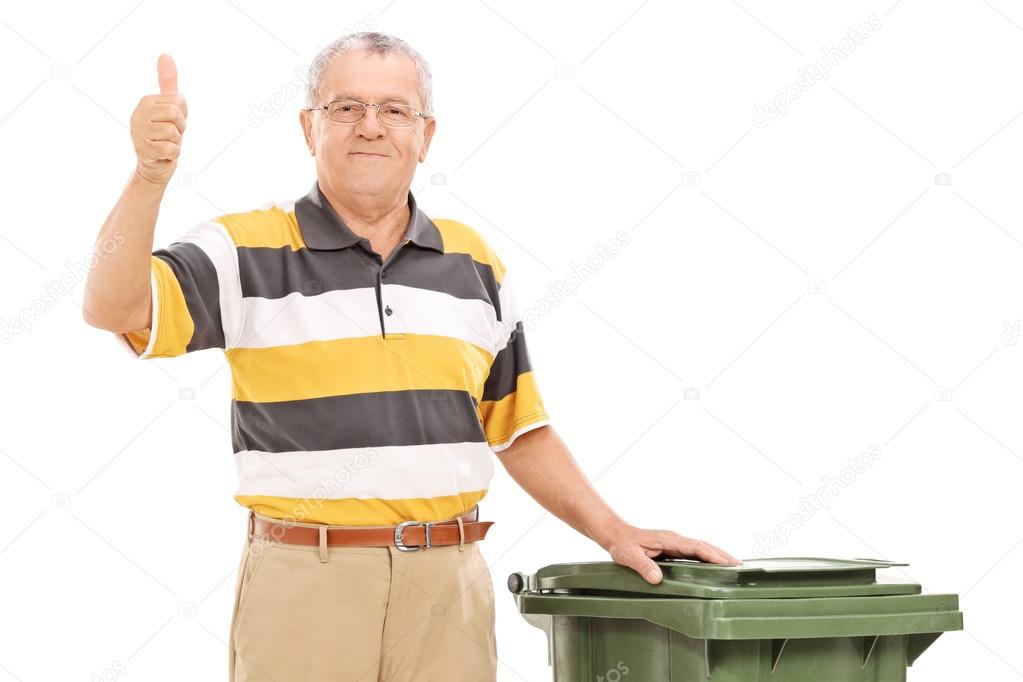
(770, 577)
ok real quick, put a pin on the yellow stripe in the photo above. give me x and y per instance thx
(460, 238)
(138, 339)
(502, 418)
(362, 511)
(277, 228)
(358, 365)
(174, 326)
(272, 228)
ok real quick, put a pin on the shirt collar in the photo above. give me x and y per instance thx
(323, 229)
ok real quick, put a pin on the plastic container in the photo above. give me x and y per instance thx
(787, 619)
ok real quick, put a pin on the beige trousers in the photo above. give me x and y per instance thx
(367, 614)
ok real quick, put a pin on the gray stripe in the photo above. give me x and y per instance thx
(379, 419)
(197, 276)
(510, 362)
(277, 272)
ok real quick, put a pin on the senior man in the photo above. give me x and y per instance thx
(379, 364)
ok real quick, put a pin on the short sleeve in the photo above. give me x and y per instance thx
(511, 403)
(196, 289)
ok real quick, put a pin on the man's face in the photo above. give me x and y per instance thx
(370, 79)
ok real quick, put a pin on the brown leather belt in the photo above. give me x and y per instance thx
(408, 536)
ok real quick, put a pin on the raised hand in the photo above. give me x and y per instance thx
(157, 126)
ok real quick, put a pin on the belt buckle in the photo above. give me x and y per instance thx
(402, 547)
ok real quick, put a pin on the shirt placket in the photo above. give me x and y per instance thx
(384, 309)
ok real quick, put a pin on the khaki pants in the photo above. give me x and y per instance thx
(367, 614)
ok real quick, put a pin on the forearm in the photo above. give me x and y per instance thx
(542, 465)
(117, 290)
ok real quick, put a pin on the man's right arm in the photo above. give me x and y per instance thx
(117, 295)
(117, 292)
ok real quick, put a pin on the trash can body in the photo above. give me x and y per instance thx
(784, 619)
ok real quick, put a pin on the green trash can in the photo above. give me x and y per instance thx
(784, 619)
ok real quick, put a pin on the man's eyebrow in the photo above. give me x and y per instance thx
(387, 98)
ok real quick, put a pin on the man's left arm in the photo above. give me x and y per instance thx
(541, 463)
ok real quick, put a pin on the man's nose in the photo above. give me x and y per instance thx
(369, 126)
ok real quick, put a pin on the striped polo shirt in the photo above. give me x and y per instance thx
(364, 391)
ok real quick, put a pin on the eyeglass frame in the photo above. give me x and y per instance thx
(366, 107)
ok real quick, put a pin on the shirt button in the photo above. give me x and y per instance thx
(387, 310)
(383, 275)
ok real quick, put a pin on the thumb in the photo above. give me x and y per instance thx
(167, 73)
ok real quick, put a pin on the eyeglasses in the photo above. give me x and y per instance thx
(394, 114)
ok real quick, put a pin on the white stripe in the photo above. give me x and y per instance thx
(297, 319)
(423, 311)
(394, 472)
(215, 241)
(510, 313)
(155, 326)
(353, 313)
(528, 427)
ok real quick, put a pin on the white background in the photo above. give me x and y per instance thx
(843, 278)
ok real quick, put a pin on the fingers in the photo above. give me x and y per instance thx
(165, 105)
(167, 74)
(157, 132)
(689, 547)
(637, 548)
(717, 555)
(155, 121)
(169, 112)
(165, 151)
(635, 558)
(729, 559)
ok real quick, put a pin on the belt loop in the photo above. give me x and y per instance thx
(252, 525)
(323, 544)
(461, 534)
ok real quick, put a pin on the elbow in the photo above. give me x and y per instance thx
(110, 305)
(100, 322)
(92, 318)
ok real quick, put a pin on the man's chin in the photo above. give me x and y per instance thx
(366, 185)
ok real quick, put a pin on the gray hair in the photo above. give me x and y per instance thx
(382, 44)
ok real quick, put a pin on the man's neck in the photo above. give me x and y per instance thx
(374, 218)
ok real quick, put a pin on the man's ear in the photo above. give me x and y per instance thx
(428, 131)
(306, 121)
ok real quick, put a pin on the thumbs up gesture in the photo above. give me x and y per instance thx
(157, 125)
